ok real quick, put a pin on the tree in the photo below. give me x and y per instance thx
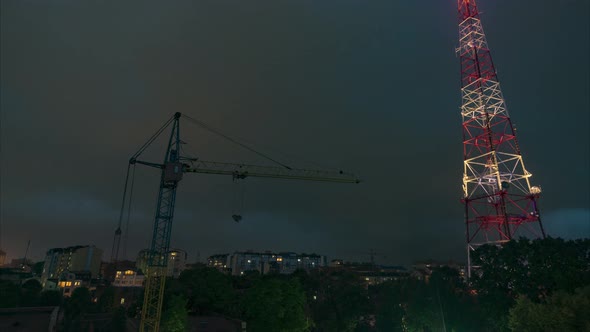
(78, 304)
(174, 318)
(275, 304)
(341, 300)
(29, 293)
(535, 269)
(561, 312)
(9, 294)
(389, 311)
(37, 268)
(106, 301)
(118, 322)
(208, 290)
(50, 298)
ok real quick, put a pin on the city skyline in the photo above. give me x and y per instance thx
(357, 87)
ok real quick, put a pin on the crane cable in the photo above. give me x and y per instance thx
(217, 132)
(126, 233)
(118, 231)
(117, 238)
(152, 139)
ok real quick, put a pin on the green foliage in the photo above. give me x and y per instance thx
(78, 304)
(387, 298)
(106, 301)
(29, 293)
(208, 290)
(545, 272)
(9, 294)
(341, 300)
(275, 305)
(37, 268)
(561, 312)
(50, 298)
(423, 309)
(174, 318)
(535, 269)
(118, 322)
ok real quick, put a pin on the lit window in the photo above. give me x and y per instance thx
(122, 300)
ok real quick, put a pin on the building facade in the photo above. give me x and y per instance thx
(177, 260)
(128, 278)
(78, 259)
(2, 257)
(265, 262)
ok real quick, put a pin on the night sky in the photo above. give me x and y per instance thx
(370, 87)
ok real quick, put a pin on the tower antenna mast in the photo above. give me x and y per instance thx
(500, 202)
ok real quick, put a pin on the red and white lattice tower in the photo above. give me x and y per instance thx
(500, 202)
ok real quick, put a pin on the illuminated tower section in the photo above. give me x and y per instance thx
(500, 202)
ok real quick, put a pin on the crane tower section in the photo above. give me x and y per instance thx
(500, 202)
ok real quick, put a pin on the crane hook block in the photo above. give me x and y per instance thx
(173, 172)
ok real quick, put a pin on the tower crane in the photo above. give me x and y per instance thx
(172, 169)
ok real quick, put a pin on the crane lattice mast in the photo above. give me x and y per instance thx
(172, 169)
(500, 202)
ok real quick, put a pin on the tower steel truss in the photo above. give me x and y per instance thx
(499, 201)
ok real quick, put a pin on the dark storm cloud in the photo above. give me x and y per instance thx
(371, 87)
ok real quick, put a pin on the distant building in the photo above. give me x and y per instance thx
(176, 261)
(423, 269)
(128, 278)
(21, 263)
(15, 275)
(336, 263)
(67, 283)
(78, 259)
(220, 262)
(371, 274)
(265, 262)
(2, 257)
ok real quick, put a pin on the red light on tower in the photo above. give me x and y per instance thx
(499, 201)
